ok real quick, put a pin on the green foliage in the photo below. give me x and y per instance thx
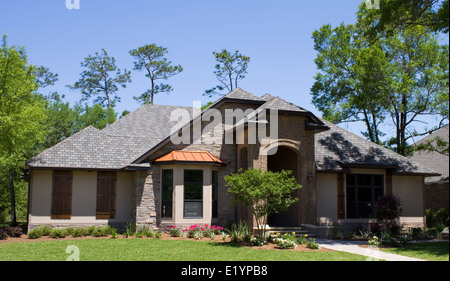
(240, 232)
(230, 69)
(96, 116)
(151, 59)
(101, 79)
(393, 80)
(437, 218)
(22, 125)
(265, 192)
(387, 208)
(402, 14)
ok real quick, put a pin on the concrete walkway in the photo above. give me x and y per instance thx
(372, 252)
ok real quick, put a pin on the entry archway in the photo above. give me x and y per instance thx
(285, 159)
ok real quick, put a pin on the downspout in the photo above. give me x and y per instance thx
(235, 171)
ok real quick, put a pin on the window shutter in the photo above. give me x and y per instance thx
(340, 196)
(61, 195)
(106, 195)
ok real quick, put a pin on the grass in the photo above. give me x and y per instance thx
(431, 251)
(157, 250)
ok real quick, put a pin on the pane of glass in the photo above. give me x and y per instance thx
(378, 193)
(351, 179)
(351, 210)
(351, 194)
(167, 193)
(192, 209)
(365, 195)
(378, 180)
(364, 180)
(193, 176)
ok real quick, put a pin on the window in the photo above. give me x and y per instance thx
(193, 193)
(61, 195)
(362, 192)
(167, 193)
(106, 195)
(215, 193)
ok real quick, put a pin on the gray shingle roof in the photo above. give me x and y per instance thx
(114, 147)
(434, 160)
(134, 136)
(338, 148)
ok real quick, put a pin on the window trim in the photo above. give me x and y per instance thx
(215, 209)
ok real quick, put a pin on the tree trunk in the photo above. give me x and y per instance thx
(13, 198)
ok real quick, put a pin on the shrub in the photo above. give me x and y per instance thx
(240, 232)
(387, 209)
(58, 233)
(13, 231)
(46, 230)
(437, 217)
(3, 234)
(78, 232)
(35, 233)
(312, 244)
(175, 231)
(374, 241)
(285, 243)
(257, 241)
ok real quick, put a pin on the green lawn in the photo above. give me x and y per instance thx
(431, 251)
(157, 250)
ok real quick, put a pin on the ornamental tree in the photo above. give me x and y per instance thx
(265, 192)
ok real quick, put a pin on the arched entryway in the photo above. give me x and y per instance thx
(285, 159)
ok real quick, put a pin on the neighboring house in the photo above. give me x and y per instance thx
(133, 171)
(436, 188)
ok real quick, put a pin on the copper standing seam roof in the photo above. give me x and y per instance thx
(189, 156)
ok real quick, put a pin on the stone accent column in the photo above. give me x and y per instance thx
(147, 197)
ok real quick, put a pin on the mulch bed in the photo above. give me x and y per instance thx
(217, 239)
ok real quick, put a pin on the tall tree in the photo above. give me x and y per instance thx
(402, 76)
(151, 59)
(101, 79)
(22, 115)
(230, 69)
(402, 14)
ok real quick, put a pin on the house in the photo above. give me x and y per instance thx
(436, 188)
(154, 167)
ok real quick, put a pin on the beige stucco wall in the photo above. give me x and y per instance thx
(408, 188)
(84, 196)
(326, 192)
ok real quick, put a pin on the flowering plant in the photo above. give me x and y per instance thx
(285, 243)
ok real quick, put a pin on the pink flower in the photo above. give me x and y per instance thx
(203, 229)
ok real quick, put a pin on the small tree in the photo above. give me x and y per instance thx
(266, 193)
(101, 79)
(387, 209)
(230, 68)
(151, 59)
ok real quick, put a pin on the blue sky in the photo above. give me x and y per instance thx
(275, 34)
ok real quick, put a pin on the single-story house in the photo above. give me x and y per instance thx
(138, 170)
(436, 188)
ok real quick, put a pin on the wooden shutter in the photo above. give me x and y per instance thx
(106, 195)
(341, 196)
(388, 182)
(61, 195)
